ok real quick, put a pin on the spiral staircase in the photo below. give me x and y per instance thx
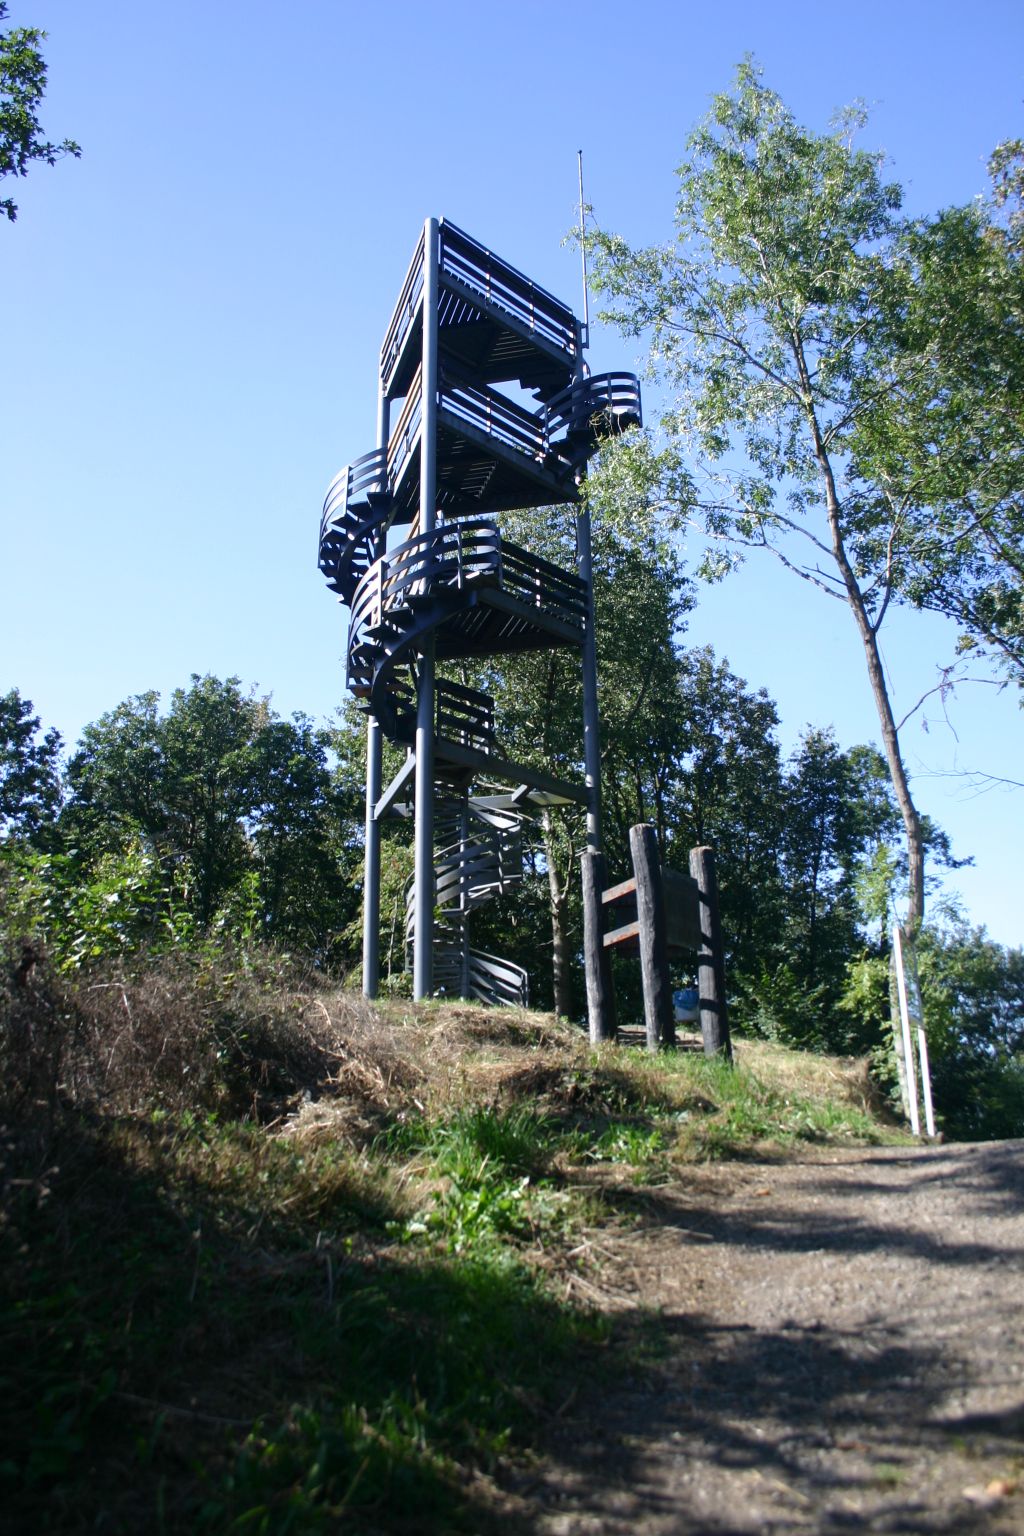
(457, 587)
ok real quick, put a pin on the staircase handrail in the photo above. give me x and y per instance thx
(404, 311)
(502, 285)
(406, 429)
(498, 284)
(614, 395)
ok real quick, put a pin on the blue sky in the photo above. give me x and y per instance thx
(193, 313)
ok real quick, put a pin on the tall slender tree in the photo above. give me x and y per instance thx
(773, 316)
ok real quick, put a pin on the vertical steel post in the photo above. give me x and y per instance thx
(465, 987)
(423, 878)
(596, 959)
(591, 718)
(374, 766)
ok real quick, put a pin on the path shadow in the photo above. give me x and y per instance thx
(823, 1425)
(781, 1225)
(821, 1428)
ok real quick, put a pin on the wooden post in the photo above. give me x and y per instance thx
(650, 910)
(714, 1015)
(596, 960)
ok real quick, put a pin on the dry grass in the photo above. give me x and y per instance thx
(257, 1226)
(846, 1079)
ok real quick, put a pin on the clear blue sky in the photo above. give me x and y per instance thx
(193, 313)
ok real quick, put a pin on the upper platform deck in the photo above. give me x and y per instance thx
(493, 320)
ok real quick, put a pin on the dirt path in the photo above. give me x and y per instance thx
(845, 1352)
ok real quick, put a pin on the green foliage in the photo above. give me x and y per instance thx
(636, 1145)
(115, 907)
(749, 1112)
(212, 1324)
(944, 431)
(780, 1005)
(22, 87)
(972, 992)
(775, 314)
(492, 1162)
(237, 808)
(231, 1263)
(30, 789)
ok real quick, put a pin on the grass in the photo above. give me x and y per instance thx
(325, 1287)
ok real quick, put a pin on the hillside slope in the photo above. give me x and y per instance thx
(275, 1260)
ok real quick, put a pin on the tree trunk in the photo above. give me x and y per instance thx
(659, 1015)
(714, 1010)
(558, 900)
(876, 672)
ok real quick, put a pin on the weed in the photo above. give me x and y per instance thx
(632, 1144)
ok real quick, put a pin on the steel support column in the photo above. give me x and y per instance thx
(423, 931)
(371, 861)
(374, 766)
(591, 719)
(465, 987)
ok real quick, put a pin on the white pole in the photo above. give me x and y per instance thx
(926, 1081)
(908, 1045)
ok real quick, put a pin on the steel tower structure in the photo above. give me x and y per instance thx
(409, 541)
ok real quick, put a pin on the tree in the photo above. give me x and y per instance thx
(773, 315)
(301, 835)
(641, 598)
(238, 807)
(22, 87)
(943, 435)
(30, 788)
(973, 999)
(728, 793)
(972, 995)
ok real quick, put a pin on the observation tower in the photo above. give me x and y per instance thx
(410, 543)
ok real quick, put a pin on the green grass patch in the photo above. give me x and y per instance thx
(337, 1320)
(743, 1114)
(206, 1328)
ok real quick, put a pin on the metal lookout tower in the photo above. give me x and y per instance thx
(410, 542)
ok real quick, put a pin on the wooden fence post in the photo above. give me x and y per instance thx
(596, 960)
(714, 1016)
(659, 1015)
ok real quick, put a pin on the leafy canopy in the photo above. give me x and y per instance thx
(30, 789)
(22, 87)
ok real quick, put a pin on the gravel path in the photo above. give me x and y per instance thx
(844, 1352)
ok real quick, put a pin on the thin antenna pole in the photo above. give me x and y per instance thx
(583, 253)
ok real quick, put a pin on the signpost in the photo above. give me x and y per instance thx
(662, 914)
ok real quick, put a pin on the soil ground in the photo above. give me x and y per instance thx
(839, 1347)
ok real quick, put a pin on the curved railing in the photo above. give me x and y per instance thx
(411, 590)
(404, 596)
(483, 859)
(560, 435)
(600, 403)
(399, 597)
(356, 509)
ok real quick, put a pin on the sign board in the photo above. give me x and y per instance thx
(682, 910)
